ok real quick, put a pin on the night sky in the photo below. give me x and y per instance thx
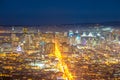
(37, 12)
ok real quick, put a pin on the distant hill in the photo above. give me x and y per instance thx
(113, 23)
(100, 23)
(91, 23)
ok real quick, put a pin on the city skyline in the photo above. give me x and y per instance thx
(59, 40)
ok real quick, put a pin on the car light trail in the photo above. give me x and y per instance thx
(61, 64)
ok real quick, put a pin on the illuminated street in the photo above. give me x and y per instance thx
(61, 64)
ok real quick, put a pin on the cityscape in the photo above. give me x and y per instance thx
(59, 39)
(29, 53)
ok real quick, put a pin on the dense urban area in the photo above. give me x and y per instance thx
(33, 53)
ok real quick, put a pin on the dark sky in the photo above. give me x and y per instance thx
(31, 12)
